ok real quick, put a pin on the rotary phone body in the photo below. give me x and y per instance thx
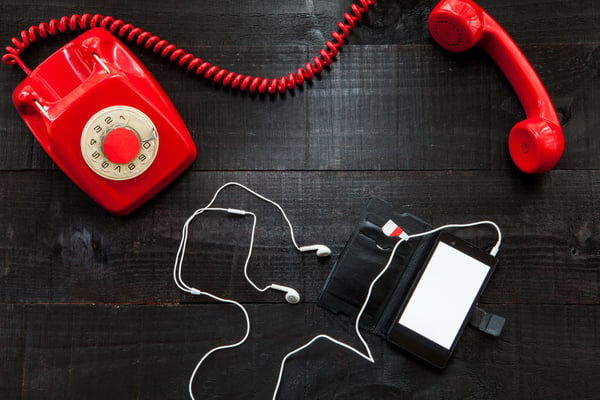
(100, 115)
(105, 121)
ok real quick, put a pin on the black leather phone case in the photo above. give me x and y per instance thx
(362, 259)
(364, 256)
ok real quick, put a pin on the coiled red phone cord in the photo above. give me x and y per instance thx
(185, 59)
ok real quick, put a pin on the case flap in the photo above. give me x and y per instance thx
(362, 259)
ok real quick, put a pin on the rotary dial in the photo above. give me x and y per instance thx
(119, 143)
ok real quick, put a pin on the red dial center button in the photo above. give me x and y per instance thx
(121, 145)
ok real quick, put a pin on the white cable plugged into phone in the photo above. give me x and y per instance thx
(292, 296)
(390, 229)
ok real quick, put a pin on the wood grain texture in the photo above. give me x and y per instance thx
(88, 309)
(148, 351)
(81, 254)
(379, 108)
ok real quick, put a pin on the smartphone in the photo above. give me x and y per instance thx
(440, 301)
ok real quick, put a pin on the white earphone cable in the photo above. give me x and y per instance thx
(229, 346)
(368, 356)
(263, 198)
(182, 245)
(177, 268)
(184, 287)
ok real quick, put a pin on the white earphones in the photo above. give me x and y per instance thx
(291, 295)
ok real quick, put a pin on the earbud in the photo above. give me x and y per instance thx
(322, 250)
(291, 295)
(536, 143)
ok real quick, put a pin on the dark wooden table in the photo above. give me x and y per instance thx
(88, 308)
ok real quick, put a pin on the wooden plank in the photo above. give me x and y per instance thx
(57, 245)
(408, 119)
(290, 22)
(129, 351)
(379, 108)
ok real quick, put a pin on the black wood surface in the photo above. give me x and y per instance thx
(88, 309)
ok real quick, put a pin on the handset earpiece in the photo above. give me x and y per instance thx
(321, 249)
(291, 295)
(456, 25)
(536, 143)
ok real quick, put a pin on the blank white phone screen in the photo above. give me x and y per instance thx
(444, 295)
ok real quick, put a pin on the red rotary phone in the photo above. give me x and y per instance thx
(536, 143)
(105, 121)
(100, 115)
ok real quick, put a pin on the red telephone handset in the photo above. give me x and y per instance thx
(105, 121)
(536, 143)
